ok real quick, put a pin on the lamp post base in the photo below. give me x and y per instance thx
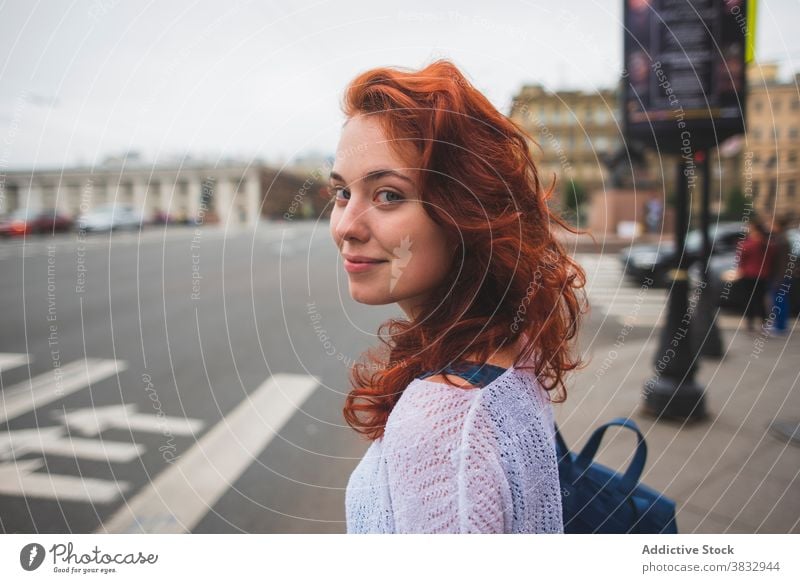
(667, 398)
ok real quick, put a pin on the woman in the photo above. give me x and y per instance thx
(437, 206)
(755, 259)
(782, 276)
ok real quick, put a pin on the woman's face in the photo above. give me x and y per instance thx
(378, 215)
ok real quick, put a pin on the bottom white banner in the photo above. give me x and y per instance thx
(246, 557)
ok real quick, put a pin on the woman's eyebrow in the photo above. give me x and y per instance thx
(373, 175)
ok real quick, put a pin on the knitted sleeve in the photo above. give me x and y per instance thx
(443, 461)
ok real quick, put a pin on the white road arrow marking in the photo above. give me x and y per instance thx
(179, 497)
(9, 360)
(91, 421)
(51, 440)
(17, 479)
(55, 384)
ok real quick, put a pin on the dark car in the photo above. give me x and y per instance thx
(28, 221)
(731, 293)
(655, 260)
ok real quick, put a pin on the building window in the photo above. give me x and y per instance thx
(791, 189)
(601, 144)
(757, 135)
(127, 192)
(793, 133)
(48, 196)
(600, 115)
(758, 105)
(771, 193)
(94, 192)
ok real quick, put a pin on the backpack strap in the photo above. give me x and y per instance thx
(631, 476)
(474, 373)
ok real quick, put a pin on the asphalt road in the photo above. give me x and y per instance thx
(184, 329)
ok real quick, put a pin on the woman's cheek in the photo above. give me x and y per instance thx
(333, 224)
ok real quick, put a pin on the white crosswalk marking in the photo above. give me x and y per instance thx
(54, 441)
(627, 302)
(94, 420)
(55, 384)
(17, 479)
(9, 360)
(179, 497)
(612, 294)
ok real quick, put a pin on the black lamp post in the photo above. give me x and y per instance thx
(705, 333)
(672, 392)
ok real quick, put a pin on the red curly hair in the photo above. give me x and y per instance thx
(510, 278)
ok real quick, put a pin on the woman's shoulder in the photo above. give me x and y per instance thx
(428, 406)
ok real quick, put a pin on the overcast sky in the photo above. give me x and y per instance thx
(83, 80)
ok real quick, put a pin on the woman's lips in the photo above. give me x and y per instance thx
(359, 267)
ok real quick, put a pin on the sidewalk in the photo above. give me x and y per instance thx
(728, 473)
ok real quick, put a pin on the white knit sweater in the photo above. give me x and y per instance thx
(457, 460)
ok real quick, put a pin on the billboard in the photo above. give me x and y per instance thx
(684, 74)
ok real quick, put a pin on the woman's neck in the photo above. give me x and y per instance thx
(503, 358)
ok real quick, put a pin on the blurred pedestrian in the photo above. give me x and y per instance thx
(754, 269)
(654, 210)
(782, 276)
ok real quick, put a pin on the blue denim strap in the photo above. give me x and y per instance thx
(475, 374)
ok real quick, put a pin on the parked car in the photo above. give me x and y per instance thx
(111, 217)
(29, 221)
(730, 293)
(655, 260)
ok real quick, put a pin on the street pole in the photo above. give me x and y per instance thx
(672, 392)
(705, 333)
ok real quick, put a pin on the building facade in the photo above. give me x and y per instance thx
(771, 169)
(232, 193)
(575, 132)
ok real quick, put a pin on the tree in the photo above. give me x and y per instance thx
(735, 204)
(574, 198)
(574, 195)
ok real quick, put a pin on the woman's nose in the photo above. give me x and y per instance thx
(353, 222)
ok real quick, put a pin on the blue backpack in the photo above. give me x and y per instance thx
(595, 499)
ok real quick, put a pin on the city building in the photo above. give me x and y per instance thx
(576, 132)
(771, 169)
(230, 193)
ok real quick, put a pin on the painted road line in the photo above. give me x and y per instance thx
(182, 495)
(52, 440)
(93, 420)
(9, 360)
(17, 479)
(55, 384)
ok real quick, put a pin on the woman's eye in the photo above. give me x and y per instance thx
(338, 193)
(389, 196)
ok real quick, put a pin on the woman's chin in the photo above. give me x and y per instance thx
(369, 297)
